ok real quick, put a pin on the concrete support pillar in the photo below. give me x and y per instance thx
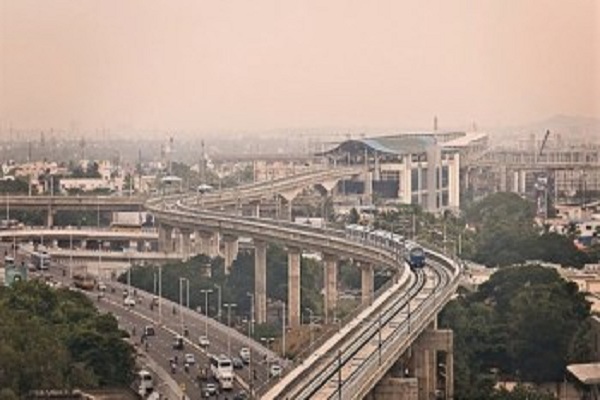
(215, 244)
(425, 362)
(231, 251)
(450, 374)
(50, 218)
(294, 256)
(260, 281)
(367, 283)
(368, 192)
(330, 285)
(255, 209)
(186, 243)
(204, 241)
(165, 238)
(289, 211)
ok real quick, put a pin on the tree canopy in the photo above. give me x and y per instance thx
(56, 339)
(237, 284)
(506, 234)
(523, 324)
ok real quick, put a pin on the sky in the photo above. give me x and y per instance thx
(227, 65)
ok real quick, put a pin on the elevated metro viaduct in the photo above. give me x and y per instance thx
(182, 214)
(424, 356)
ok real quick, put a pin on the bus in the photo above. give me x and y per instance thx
(222, 369)
(84, 281)
(41, 260)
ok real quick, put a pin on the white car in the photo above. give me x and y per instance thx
(203, 341)
(190, 359)
(129, 301)
(210, 389)
(102, 286)
(275, 371)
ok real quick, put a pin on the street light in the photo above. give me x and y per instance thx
(310, 321)
(251, 313)
(206, 293)
(267, 341)
(219, 300)
(181, 298)
(229, 306)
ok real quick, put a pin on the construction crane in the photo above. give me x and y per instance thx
(544, 143)
(542, 184)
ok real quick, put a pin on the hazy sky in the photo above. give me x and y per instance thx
(250, 64)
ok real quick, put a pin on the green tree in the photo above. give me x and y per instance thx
(55, 339)
(524, 323)
(353, 216)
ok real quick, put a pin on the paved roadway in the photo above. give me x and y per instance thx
(160, 346)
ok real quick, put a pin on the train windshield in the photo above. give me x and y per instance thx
(417, 252)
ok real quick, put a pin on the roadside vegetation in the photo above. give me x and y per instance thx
(56, 340)
(525, 324)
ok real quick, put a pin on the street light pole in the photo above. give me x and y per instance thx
(70, 256)
(206, 293)
(229, 306)
(160, 294)
(283, 321)
(219, 300)
(251, 313)
(310, 321)
(268, 341)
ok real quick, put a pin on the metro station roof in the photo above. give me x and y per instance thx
(399, 144)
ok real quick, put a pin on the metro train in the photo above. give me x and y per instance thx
(413, 252)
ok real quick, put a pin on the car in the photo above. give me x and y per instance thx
(149, 330)
(237, 362)
(190, 359)
(129, 301)
(275, 371)
(125, 293)
(102, 286)
(245, 355)
(203, 341)
(241, 396)
(210, 389)
(178, 342)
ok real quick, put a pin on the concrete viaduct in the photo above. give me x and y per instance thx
(190, 215)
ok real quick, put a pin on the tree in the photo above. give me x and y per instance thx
(524, 323)
(353, 216)
(56, 339)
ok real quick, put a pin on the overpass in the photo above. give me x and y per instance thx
(51, 204)
(403, 319)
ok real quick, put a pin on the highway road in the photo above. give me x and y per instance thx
(160, 346)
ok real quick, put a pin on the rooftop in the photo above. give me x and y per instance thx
(588, 374)
(397, 144)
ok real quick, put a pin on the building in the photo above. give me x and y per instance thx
(410, 168)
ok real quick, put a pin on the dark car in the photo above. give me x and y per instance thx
(237, 363)
(178, 343)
